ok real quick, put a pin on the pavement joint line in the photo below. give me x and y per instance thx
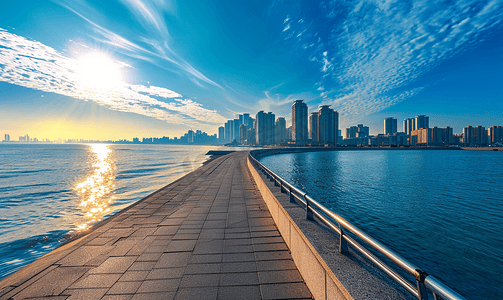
(211, 207)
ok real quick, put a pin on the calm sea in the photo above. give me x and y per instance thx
(442, 210)
(49, 192)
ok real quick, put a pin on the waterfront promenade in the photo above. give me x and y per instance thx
(208, 235)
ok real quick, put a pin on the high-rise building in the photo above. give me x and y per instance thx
(280, 130)
(496, 134)
(235, 129)
(390, 126)
(448, 136)
(228, 131)
(242, 134)
(247, 120)
(358, 131)
(421, 121)
(328, 125)
(479, 136)
(190, 136)
(313, 127)
(264, 128)
(299, 122)
(468, 135)
(408, 125)
(221, 134)
(7, 138)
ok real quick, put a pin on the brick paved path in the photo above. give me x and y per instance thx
(208, 235)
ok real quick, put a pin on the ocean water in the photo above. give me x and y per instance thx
(49, 192)
(442, 210)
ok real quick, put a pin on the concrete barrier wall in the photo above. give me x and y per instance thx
(319, 278)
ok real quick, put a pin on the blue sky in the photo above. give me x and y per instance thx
(126, 68)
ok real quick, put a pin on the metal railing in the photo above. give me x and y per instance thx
(423, 282)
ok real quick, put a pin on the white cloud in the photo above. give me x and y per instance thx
(155, 91)
(153, 45)
(34, 65)
(378, 48)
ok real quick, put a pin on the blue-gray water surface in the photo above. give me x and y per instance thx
(48, 192)
(442, 210)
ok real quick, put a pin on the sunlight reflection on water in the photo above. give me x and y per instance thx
(96, 190)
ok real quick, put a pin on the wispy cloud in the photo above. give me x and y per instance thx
(34, 65)
(371, 52)
(153, 45)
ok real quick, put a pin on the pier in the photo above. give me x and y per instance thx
(208, 235)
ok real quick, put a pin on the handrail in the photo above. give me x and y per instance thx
(424, 281)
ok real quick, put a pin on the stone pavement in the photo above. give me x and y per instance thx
(208, 235)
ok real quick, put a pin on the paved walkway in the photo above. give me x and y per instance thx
(208, 235)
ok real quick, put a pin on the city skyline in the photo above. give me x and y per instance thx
(159, 68)
(317, 128)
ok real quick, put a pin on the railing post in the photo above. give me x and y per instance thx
(309, 211)
(343, 244)
(292, 198)
(422, 294)
(281, 186)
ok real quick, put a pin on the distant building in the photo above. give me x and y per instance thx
(235, 129)
(228, 131)
(479, 136)
(495, 134)
(468, 134)
(264, 128)
(221, 134)
(243, 134)
(390, 126)
(421, 121)
(280, 131)
(328, 125)
(358, 131)
(409, 125)
(431, 137)
(313, 127)
(190, 136)
(299, 122)
(7, 138)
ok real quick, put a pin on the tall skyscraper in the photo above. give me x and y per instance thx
(7, 138)
(242, 134)
(247, 120)
(496, 134)
(421, 121)
(468, 134)
(190, 136)
(235, 129)
(313, 127)
(390, 126)
(221, 134)
(409, 125)
(448, 136)
(358, 131)
(280, 130)
(299, 122)
(328, 125)
(264, 128)
(228, 131)
(479, 136)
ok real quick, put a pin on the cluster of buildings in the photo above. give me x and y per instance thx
(321, 128)
(191, 137)
(417, 132)
(318, 128)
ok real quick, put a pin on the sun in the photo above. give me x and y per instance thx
(96, 70)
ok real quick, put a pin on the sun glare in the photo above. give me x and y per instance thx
(98, 71)
(96, 190)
